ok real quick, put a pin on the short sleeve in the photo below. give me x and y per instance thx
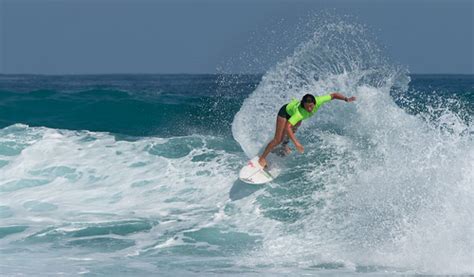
(320, 100)
(294, 119)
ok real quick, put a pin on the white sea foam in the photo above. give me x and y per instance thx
(78, 186)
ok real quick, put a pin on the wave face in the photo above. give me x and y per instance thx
(137, 174)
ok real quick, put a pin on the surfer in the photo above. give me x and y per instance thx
(289, 119)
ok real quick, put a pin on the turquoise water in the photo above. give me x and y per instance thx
(137, 174)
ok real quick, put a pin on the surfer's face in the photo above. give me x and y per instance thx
(309, 107)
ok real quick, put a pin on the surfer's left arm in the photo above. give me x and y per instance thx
(337, 95)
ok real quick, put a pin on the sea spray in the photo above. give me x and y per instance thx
(338, 57)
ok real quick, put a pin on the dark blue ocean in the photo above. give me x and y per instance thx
(137, 175)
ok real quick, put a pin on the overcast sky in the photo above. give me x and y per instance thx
(198, 36)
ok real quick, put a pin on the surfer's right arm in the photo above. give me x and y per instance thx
(292, 136)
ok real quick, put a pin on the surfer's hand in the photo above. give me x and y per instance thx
(300, 148)
(350, 99)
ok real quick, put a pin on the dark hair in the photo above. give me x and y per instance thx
(308, 98)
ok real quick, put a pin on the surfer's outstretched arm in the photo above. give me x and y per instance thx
(337, 95)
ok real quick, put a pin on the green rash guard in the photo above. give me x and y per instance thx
(298, 113)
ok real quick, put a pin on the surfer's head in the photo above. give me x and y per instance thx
(308, 101)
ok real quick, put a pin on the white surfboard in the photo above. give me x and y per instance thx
(253, 173)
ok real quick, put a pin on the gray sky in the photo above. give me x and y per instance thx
(197, 36)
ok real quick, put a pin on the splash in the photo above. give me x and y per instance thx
(338, 57)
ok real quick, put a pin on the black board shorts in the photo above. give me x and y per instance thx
(282, 112)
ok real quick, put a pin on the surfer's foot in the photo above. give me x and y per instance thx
(262, 162)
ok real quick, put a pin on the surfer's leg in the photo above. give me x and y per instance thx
(280, 128)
